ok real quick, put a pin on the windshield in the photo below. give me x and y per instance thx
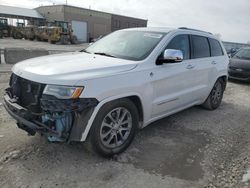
(131, 45)
(243, 54)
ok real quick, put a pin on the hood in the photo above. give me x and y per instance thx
(69, 68)
(239, 63)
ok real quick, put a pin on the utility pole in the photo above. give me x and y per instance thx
(66, 2)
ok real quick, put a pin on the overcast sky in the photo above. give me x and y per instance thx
(230, 18)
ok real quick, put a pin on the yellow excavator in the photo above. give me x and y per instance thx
(60, 32)
(30, 32)
(42, 33)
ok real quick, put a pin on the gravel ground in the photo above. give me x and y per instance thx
(194, 148)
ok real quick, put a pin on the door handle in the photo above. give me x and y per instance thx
(190, 67)
(214, 62)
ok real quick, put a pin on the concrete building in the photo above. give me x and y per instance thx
(234, 45)
(122, 22)
(88, 24)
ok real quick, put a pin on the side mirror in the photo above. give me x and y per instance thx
(171, 56)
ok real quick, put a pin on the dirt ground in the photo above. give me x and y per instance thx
(194, 148)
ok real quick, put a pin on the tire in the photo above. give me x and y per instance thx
(215, 97)
(106, 135)
(73, 40)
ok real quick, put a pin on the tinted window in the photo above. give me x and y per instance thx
(243, 54)
(216, 49)
(200, 47)
(181, 42)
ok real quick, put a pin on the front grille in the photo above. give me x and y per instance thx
(27, 93)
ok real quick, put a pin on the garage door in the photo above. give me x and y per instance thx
(80, 30)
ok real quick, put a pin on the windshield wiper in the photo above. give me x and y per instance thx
(85, 51)
(104, 54)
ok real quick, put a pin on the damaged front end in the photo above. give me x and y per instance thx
(36, 111)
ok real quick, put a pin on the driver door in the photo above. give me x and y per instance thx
(173, 83)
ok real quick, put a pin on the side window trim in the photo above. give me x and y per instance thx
(210, 47)
(192, 46)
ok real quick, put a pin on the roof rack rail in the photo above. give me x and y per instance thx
(186, 28)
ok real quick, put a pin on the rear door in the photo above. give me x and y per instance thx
(204, 71)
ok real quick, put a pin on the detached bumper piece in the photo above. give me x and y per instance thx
(21, 115)
(60, 120)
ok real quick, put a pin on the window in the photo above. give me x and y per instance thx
(133, 25)
(131, 45)
(216, 49)
(127, 25)
(243, 53)
(181, 42)
(200, 47)
(117, 23)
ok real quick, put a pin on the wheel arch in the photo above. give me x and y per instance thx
(134, 97)
(224, 80)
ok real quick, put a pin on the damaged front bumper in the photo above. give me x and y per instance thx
(54, 112)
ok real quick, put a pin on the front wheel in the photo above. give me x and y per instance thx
(215, 97)
(114, 127)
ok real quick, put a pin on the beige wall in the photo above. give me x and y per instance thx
(52, 13)
(99, 23)
(122, 22)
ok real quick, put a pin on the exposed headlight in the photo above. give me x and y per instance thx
(63, 92)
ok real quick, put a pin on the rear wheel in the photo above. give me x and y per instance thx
(215, 97)
(114, 127)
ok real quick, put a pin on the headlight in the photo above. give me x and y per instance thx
(63, 92)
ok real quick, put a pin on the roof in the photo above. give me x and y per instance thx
(167, 30)
(112, 14)
(9, 11)
(151, 29)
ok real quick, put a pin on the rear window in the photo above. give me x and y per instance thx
(216, 49)
(200, 47)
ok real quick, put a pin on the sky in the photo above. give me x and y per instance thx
(229, 18)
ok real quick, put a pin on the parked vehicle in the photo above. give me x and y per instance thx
(17, 32)
(42, 33)
(60, 31)
(4, 28)
(121, 83)
(30, 32)
(239, 66)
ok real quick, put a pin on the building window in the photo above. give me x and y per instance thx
(134, 25)
(117, 23)
(127, 25)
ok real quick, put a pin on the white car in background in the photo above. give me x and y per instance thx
(121, 83)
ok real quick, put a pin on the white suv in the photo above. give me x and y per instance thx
(123, 82)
